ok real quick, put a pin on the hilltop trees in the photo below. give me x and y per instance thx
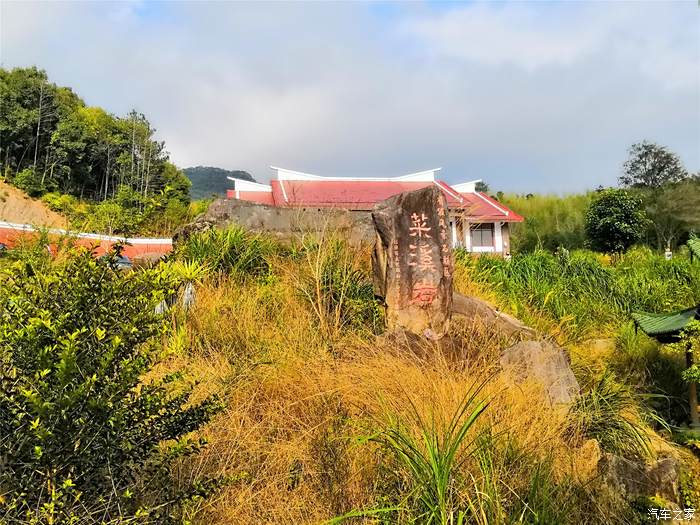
(651, 166)
(208, 180)
(50, 141)
(669, 193)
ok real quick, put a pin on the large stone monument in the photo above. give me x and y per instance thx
(413, 262)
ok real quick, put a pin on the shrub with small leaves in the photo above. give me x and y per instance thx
(84, 437)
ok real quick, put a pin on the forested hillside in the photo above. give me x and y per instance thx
(208, 180)
(53, 145)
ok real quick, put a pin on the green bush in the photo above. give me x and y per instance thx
(84, 438)
(29, 182)
(615, 221)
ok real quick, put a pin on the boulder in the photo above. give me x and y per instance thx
(412, 261)
(634, 477)
(474, 308)
(545, 363)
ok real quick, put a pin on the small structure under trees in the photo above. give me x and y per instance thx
(669, 328)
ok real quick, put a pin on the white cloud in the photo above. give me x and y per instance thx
(530, 97)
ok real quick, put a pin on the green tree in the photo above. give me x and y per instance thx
(175, 184)
(668, 192)
(673, 211)
(481, 186)
(30, 109)
(50, 141)
(84, 438)
(615, 221)
(72, 148)
(651, 166)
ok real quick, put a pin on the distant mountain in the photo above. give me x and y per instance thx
(208, 181)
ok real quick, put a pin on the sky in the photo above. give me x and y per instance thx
(528, 96)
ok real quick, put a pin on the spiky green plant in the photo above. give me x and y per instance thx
(232, 250)
(432, 458)
(192, 271)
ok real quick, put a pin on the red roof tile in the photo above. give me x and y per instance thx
(362, 195)
(353, 195)
(480, 206)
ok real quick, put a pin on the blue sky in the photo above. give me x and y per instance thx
(531, 97)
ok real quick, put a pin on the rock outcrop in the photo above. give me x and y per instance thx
(413, 262)
(474, 308)
(283, 223)
(633, 478)
(545, 363)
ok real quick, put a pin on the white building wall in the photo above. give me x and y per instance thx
(497, 241)
(498, 237)
(467, 236)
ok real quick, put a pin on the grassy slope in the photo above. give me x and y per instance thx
(304, 392)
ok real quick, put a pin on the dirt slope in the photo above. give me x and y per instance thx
(16, 206)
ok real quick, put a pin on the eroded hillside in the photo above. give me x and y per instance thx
(17, 207)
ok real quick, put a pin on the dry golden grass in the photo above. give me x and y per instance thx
(299, 404)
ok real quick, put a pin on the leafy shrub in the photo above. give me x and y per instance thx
(64, 203)
(29, 182)
(83, 438)
(32, 250)
(689, 487)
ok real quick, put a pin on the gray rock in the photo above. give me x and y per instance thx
(633, 478)
(545, 363)
(161, 307)
(188, 296)
(474, 308)
(412, 261)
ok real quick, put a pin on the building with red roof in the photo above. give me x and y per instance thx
(478, 222)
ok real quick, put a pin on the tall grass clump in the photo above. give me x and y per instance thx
(337, 285)
(609, 412)
(497, 496)
(232, 250)
(432, 459)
